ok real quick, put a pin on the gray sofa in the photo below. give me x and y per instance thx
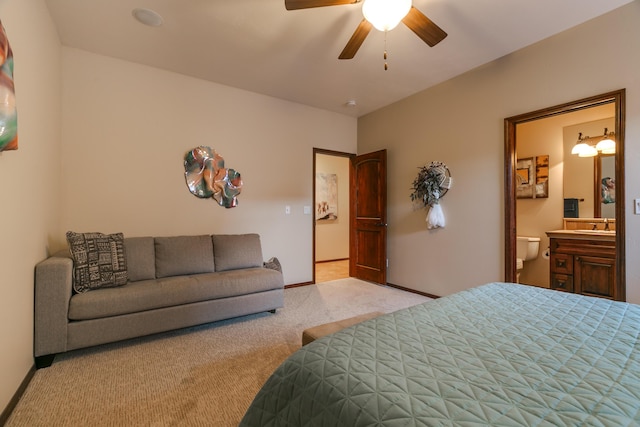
(172, 282)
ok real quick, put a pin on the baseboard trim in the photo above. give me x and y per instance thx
(402, 288)
(391, 285)
(297, 285)
(332, 260)
(4, 417)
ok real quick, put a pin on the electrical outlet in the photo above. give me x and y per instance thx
(636, 209)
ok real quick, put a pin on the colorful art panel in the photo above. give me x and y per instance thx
(8, 114)
(326, 197)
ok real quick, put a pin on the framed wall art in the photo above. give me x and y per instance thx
(532, 177)
(525, 173)
(326, 196)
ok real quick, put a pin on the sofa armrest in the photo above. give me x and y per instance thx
(53, 290)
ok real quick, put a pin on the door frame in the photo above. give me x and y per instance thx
(313, 197)
(618, 98)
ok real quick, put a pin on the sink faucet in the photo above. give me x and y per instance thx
(606, 224)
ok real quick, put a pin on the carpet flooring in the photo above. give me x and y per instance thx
(201, 376)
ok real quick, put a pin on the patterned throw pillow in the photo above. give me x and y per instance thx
(273, 264)
(99, 260)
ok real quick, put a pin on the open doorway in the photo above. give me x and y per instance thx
(331, 215)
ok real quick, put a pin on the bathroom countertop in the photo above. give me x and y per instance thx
(583, 234)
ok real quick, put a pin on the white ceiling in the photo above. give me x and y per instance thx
(259, 46)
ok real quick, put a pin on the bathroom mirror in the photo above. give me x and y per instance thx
(617, 99)
(604, 186)
(582, 176)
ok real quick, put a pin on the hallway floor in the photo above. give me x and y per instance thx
(332, 270)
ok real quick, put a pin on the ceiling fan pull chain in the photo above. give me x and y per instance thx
(386, 67)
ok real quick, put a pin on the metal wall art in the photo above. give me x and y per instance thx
(207, 177)
(8, 115)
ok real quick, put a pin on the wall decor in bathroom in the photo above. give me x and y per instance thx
(326, 197)
(532, 177)
(207, 177)
(8, 115)
(431, 184)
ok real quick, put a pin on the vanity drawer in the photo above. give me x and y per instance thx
(561, 263)
(562, 282)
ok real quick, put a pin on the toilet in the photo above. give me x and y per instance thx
(526, 249)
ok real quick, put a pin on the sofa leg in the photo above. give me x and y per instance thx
(44, 361)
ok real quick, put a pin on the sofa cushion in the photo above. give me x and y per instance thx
(235, 251)
(141, 259)
(180, 255)
(99, 260)
(172, 291)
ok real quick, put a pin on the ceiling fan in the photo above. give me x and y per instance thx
(417, 22)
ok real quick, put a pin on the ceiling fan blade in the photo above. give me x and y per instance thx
(356, 40)
(424, 27)
(307, 4)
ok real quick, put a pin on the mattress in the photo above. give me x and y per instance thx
(500, 354)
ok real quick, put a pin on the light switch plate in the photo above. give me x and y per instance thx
(636, 207)
(287, 210)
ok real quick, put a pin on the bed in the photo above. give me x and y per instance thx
(500, 354)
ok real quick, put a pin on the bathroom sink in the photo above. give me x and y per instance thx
(597, 231)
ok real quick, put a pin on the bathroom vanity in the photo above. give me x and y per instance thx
(584, 262)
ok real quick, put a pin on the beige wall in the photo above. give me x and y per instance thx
(461, 122)
(29, 182)
(535, 216)
(332, 237)
(127, 127)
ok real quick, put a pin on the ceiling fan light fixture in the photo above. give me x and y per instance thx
(385, 15)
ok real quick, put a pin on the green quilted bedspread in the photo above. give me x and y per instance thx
(499, 354)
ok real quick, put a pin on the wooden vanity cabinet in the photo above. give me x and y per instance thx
(584, 266)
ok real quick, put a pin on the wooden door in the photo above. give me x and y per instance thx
(368, 217)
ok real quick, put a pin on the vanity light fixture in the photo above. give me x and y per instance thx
(607, 145)
(584, 148)
(581, 146)
(590, 151)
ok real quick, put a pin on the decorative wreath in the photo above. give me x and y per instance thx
(431, 184)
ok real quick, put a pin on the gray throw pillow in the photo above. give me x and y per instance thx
(99, 260)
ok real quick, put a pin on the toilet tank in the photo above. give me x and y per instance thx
(527, 247)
